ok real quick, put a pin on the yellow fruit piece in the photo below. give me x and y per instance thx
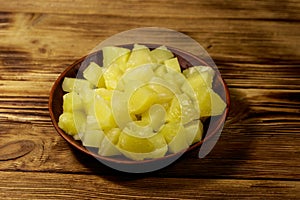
(193, 131)
(92, 138)
(122, 61)
(160, 70)
(113, 135)
(72, 123)
(155, 117)
(189, 109)
(174, 135)
(199, 76)
(112, 76)
(105, 94)
(112, 53)
(87, 97)
(72, 101)
(164, 94)
(75, 84)
(174, 112)
(157, 153)
(103, 113)
(94, 74)
(108, 144)
(173, 64)
(140, 145)
(160, 54)
(141, 100)
(210, 103)
(140, 55)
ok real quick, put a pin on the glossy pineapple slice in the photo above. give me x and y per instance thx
(108, 144)
(72, 123)
(72, 101)
(174, 135)
(75, 84)
(140, 55)
(160, 54)
(94, 74)
(141, 100)
(173, 64)
(112, 54)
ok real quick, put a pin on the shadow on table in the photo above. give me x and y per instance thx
(224, 160)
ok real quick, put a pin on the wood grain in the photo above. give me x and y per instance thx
(74, 186)
(255, 44)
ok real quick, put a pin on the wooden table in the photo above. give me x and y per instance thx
(255, 44)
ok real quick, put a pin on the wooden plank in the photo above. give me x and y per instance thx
(75, 186)
(72, 36)
(270, 9)
(245, 150)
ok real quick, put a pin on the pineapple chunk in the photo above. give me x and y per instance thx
(72, 123)
(140, 55)
(210, 103)
(105, 94)
(122, 61)
(157, 153)
(160, 54)
(193, 131)
(93, 73)
(87, 97)
(174, 135)
(111, 54)
(92, 123)
(103, 113)
(112, 75)
(140, 74)
(164, 95)
(141, 100)
(92, 138)
(160, 70)
(182, 108)
(173, 64)
(140, 145)
(108, 144)
(174, 112)
(199, 76)
(76, 85)
(71, 102)
(155, 117)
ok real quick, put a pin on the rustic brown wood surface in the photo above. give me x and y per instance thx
(255, 44)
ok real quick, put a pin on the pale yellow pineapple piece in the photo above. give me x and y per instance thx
(173, 64)
(92, 138)
(72, 123)
(103, 113)
(164, 94)
(111, 54)
(112, 76)
(210, 103)
(72, 101)
(94, 74)
(160, 54)
(140, 145)
(193, 131)
(141, 100)
(108, 145)
(174, 112)
(75, 84)
(106, 94)
(199, 76)
(140, 55)
(155, 117)
(174, 135)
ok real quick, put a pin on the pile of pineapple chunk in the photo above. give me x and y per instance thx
(139, 104)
